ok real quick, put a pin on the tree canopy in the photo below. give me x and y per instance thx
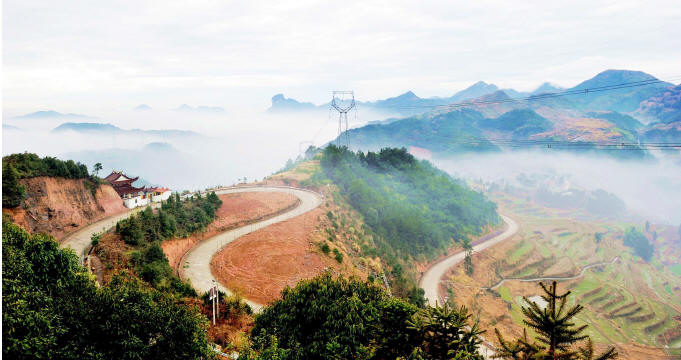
(331, 317)
(52, 309)
(636, 240)
(415, 208)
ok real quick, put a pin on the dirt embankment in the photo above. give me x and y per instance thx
(261, 264)
(59, 206)
(236, 210)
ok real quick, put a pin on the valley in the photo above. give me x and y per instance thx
(628, 302)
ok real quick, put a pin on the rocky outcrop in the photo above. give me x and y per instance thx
(59, 206)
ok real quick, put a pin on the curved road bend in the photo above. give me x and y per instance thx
(80, 240)
(430, 281)
(197, 260)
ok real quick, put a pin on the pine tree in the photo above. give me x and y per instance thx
(468, 260)
(12, 191)
(445, 333)
(556, 329)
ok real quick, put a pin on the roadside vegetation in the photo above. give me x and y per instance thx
(331, 317)
(145, 231)
(53, 309)
(412, 211)
(28, 165)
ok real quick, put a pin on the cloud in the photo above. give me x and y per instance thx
(99, 55)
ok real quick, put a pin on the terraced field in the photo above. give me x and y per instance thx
(630, 303)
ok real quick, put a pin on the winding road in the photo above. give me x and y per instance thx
(80, 240)
(197, 261)
(430, 281)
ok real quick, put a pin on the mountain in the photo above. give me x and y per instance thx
(281, 104)
(446, 133)
(622, 121)
(514, 93)
(476, 90)
(86, 127)
(664, 107)
(521, 123)
(50, 114)
(142, 107)
(624, 100)
(100, 128)
(405, 104)
(203, 109)
(10, 127)
(546, 87)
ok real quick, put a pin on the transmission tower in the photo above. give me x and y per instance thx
(343, 101)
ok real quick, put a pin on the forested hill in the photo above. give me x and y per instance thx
(415, 209)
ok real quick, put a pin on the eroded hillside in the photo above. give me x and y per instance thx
(58, 206)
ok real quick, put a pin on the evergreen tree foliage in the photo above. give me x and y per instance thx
(557, 332)
(415, 208)
(639, 242)
(52, 309)
(339, 318)
(12, 191)
(445, 333)
(31, 165)
(147, 229)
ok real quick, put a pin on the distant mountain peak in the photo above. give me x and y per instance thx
(546, 87)
(142, 107)
(476, 90)
(201, 108)
(282, 103)
(614, 77)
(86, 127)
(46, 114)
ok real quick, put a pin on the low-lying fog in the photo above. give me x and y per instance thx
(226, 147)
(649, 189)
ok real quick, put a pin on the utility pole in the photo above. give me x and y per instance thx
(343, 101)
(214, 296)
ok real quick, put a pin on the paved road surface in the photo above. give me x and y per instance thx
(80, 240)
(197, 261)
(430, 281)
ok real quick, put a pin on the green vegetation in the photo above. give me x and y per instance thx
(412, 210)
(413, 207)
(31, 165)
(520, 122)
(27, 165)
(639, 242)
(556, 329)
(52, 309)
(339, 318)
(147, 229)
(12, 191)
(176, 218)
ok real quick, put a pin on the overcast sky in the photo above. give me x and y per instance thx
(97, 56)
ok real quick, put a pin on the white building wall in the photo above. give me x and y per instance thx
(136, 201)
(163, 197)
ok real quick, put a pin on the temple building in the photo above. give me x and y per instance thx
(133, 196)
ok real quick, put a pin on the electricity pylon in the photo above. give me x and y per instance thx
(343, 101)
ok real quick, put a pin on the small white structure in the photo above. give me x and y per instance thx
(158, 194)
(133, 196)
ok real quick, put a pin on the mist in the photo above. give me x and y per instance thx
(223, 149)
(649, 189)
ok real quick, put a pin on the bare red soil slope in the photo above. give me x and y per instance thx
(59, 206)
